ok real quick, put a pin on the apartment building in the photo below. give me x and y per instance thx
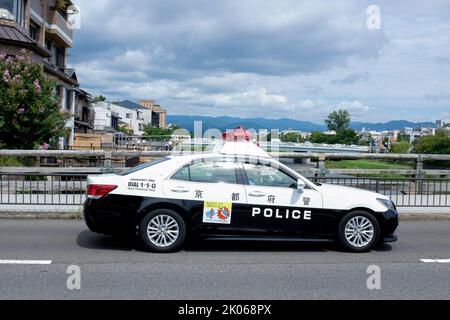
(42, 27)
(126, 114)
(159, 117)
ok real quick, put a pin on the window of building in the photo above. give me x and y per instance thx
(129, 116)
(58, 92)
(68, 99)
(34, 31)
(58, 56)
(48, 45)
(12, 10)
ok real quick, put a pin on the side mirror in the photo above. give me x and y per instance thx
(301, 184)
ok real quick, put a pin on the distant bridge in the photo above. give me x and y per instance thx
(285, 147)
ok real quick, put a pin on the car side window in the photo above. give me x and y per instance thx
(208, 172)
(268, 176)
(182, 175)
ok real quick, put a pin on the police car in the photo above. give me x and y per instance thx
(237, 192)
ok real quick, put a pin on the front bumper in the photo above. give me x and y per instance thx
(391, 238)
(389, 224)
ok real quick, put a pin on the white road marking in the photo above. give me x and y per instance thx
(26, 262)
(435, 260)
(443, 260)
(428, 260)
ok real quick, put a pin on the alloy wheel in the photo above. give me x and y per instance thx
(359, 232)
(163, 231)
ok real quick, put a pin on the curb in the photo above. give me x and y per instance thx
(41, 216)
(424, 217)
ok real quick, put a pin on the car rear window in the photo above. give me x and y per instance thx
(144, 166)
(208, 171)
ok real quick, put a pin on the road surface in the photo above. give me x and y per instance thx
(35, 256)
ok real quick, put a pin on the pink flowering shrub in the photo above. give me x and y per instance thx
(30, 116)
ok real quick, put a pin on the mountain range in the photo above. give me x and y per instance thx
(224, 123)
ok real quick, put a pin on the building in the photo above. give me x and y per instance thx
(84, 112)
(159, 117)
(125, 114)
(106, 120)
(443, 123)
(42, 27)
(134, 116)
(416, 133)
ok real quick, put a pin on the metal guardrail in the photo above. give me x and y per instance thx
(120, 159)
(69, 189)
(42, 189)
(61, 183)
(281, 155)
(404, 192)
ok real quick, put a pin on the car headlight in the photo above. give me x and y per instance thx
(388, 204)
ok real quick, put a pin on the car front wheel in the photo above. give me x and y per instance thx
(359, 231)
(163, 231)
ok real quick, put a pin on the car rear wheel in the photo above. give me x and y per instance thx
(163, 231)
(359, 231)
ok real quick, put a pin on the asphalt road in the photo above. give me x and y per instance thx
(119, 268)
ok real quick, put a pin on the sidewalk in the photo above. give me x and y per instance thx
(76, 212)
(41, 212)
(414, 213)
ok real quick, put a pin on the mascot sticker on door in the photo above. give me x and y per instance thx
(217, 212)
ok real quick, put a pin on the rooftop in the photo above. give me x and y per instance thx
(129, 104)
(14, 35)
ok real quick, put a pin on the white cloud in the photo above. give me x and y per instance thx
(289, 58)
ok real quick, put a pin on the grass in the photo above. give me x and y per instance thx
(373, 165)
(369, 164)
(10, 162)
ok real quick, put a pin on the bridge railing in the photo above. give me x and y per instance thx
(62, 181)
(48, 188)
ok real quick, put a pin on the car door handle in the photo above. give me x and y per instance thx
(257, 194)
(180, 190)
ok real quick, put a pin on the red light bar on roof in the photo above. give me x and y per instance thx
(239, 134)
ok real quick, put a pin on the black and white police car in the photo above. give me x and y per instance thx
(237, 193)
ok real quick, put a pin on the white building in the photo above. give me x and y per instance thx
(108, 116)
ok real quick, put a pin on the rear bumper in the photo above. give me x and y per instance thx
(101, 219)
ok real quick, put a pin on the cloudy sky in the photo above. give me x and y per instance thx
(273, 59)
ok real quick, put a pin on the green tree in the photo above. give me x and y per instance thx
(338, 120)
(29, 110)
(99, 98)
(292, 137)
(319, 137)
(437, 144)
(158, 134)
(347, 136)
(403, 137)
(400, 147)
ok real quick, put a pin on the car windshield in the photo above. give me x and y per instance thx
(143, 166)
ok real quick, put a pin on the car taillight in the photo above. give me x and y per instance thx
(98, 191)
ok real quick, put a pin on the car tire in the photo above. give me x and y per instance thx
(359, 231)
(163, 231)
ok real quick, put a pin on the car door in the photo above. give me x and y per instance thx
(276, 206)
(212, 192)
